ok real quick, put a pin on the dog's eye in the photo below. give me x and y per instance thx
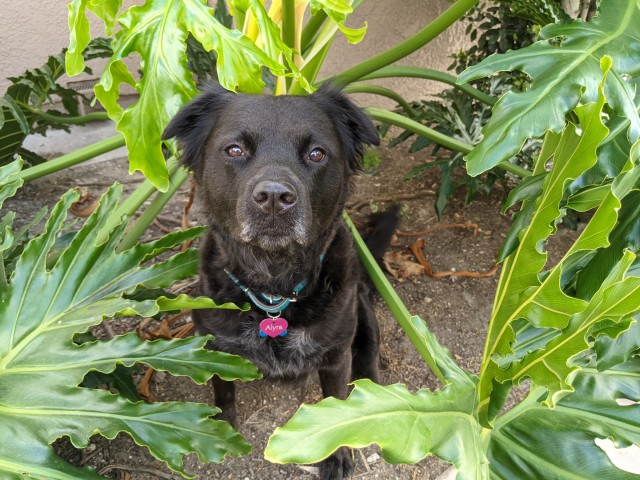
(317, 155)
(234, 151)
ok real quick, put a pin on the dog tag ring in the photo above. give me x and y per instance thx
(273, 327)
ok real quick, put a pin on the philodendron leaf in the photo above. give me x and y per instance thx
(563, 72)
(521, 293)
(41, 310)
(617, 299)
(338, 11)
(406, 426)
(158, 32)
(534, 441)
(271, 39)
(10, 180)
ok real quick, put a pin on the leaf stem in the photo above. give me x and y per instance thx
(448, 142)
(430, 74)
(177, 176)
(66, 119)
(392, 300)
(410, 45)
(311, 30)
(289, 23)
(383, 92)
(73, 158)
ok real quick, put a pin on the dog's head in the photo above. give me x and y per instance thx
(274, 171)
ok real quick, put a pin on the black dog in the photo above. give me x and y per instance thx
(274, 174)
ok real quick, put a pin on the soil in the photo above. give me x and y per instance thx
(456, 310)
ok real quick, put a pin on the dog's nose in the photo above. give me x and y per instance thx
(274, 197)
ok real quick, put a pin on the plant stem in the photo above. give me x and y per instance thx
(382, 91)
(429, 74)
(289, 23)
(415, 127)
(73, 158)
(311, 29)
(410, 45)
(390, 297)
(448, 142)
(178, 175)
(69, 120)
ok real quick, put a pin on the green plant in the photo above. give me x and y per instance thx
(457, 115)
(581, 353)
(42, 363)
(267, 47)
(493, 27)
(160, 30)
(21, 110)
(571, 328)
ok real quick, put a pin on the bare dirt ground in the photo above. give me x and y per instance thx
(456, 309)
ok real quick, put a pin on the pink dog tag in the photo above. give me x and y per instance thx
(273, 327)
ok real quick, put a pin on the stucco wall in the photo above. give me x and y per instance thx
(32, 30)
(389, 22)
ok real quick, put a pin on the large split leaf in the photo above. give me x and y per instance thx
(158, 32)
(407, 426)
(521, 292)
(563, 73)
(42, 309)
(533, 441)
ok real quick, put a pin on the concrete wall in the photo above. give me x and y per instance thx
(31, 30)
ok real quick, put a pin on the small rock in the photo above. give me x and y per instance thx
(373, 458)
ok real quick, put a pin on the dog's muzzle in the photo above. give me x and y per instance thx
(274, 198)
(275, 211)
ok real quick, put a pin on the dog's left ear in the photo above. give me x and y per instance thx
(354, 128)
(194, 122)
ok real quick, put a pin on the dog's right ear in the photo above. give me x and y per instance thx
(194, 122)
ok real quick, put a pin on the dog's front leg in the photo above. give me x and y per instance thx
(225, 399)
(333, 381)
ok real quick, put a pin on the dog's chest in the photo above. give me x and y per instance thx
(290, 356)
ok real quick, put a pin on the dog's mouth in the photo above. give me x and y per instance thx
(276, 234)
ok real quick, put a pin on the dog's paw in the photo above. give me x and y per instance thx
(228, 415)
(337, 466)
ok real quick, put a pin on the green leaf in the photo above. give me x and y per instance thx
(625, 235)
(521, 293)
(10, 180)
(533, 441)
(79, 37)
(406, 426)
(271, 41)
(614, 351)
(563, 72)
(158, 32)
(617, 299)
(41, 366)
(338, 11)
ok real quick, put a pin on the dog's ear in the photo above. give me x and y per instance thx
(354, 128)
(193, 123)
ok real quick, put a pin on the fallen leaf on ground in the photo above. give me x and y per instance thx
(401, 266)
(85, 205)
(418, 250)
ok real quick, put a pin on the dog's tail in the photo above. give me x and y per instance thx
(382, 226)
